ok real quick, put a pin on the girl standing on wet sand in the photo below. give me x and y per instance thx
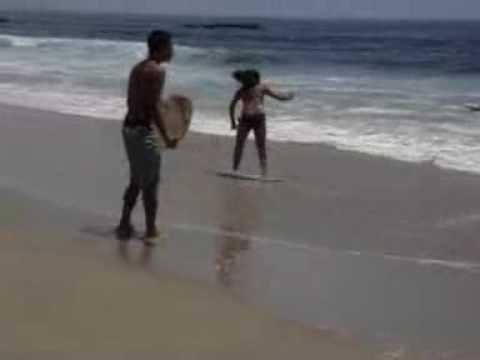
(251, 94)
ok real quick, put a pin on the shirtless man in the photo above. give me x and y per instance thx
(145, 89)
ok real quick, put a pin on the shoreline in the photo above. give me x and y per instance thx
(318, 177)
(327, 147)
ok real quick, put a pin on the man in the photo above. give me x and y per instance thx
(145, 88)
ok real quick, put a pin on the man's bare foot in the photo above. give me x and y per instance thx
(150, 236)
(124, 232)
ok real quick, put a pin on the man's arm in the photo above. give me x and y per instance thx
(233, 104)
(278, 95)
(156, 82)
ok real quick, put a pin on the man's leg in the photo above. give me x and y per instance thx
(150, 204)
(125, 228)
(242, 134)
(260, 140)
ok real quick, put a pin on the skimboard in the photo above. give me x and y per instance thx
(473, 107)
(239, 176)
(176, 111)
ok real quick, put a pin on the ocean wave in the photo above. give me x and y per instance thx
(465, 69)
(231, 57)
(403, 140)
(15, 41)
(185, 54)
(54, 42)
(372, 110)
(251, 58)
(363, 91)
(5, 43)
(366, 114)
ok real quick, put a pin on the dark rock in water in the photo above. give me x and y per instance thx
(243, 26)
(473, 107)
(4, 20)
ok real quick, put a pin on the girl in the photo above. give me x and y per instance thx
(251, 94)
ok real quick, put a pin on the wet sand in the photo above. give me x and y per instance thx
(382, 251)
(70, 295)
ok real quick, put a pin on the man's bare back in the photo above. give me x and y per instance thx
(145, 89)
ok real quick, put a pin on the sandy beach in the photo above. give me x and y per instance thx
(72, 296)
(351, 257)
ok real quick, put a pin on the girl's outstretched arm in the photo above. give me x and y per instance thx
(278, 95)
(233, 105)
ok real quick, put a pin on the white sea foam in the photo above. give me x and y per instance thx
(379, 116)
(379, 111)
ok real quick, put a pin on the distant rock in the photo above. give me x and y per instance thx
(4, 20)
(212, 26)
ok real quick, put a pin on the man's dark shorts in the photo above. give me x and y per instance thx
(144, 155)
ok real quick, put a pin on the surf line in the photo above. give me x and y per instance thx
(468, 266)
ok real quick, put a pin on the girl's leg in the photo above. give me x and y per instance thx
(242, 134)
(260, 140)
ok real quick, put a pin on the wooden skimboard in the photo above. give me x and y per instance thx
(177, 111)
(240, 176)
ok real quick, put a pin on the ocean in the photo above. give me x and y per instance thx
(391, 88)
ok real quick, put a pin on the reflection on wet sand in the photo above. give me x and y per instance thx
(126, 254)
(239, 216)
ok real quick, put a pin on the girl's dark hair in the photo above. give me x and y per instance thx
(248, 78)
